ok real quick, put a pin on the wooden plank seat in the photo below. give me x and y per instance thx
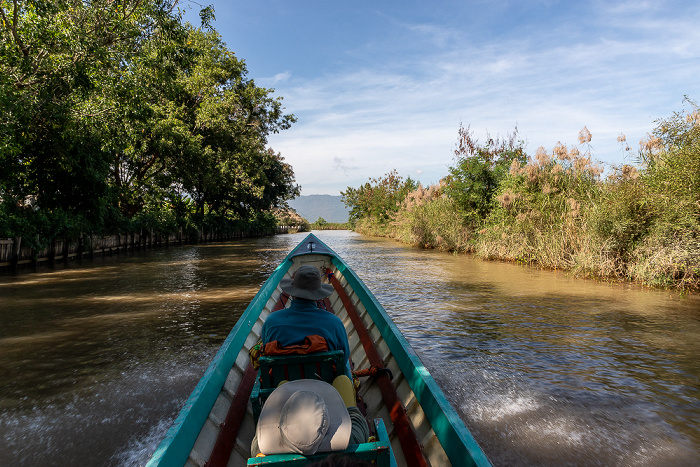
(325, 366)
(378, 451)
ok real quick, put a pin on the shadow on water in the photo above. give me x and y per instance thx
(543, 368)
(97, 359)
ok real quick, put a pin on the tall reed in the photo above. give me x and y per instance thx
(431, 219)
(640, 223)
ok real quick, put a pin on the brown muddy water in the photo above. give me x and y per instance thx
(545, 369)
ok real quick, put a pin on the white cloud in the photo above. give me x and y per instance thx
(278, 78)
(404, 112)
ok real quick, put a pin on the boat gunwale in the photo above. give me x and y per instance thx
(454, 436)
(180, 438)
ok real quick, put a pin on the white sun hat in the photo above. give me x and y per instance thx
(304, 416)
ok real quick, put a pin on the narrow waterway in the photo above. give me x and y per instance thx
(545, 369)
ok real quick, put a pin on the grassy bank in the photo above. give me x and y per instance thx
(560, 209)
(331, 226)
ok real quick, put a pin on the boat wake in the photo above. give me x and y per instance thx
(139, 449)
(134, 411)
(544, 427)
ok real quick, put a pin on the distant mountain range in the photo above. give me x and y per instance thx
(311, 207)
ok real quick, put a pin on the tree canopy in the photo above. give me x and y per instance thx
(379, 198)
(115, 109)
(479, 169)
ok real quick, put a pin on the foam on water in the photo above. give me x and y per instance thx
(134, 411)
(139, 448)
(543, 369)
(497, 408)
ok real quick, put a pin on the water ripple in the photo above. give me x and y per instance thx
(544, 369)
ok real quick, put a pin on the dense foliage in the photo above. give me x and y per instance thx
(322, 224)
(376, 202)
(557, 210)
(478, 171)
(117, 115)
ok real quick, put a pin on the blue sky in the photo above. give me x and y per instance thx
(378, 85)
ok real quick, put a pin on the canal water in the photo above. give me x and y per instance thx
(544, 369)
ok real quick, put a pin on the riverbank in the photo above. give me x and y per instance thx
(559, 209)
(15, 254)
(674, 266)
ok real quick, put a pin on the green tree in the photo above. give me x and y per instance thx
(379, 199)
(58, 60)
(479, 169)
(230, 118)
(116, 113)
(57, 63)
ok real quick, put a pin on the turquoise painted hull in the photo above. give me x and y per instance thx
(441, 433)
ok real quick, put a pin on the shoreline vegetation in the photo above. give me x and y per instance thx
(557, 210)
(124, 118)
(289, 217)
(321, 224)
(131, 120)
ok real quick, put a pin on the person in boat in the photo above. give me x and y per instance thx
(304, 416)
(303, 318)
(293, 326)
(307, 416)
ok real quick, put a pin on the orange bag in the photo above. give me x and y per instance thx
(313, 343)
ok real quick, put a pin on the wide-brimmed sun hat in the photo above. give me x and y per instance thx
(304, 416)
(306, 284)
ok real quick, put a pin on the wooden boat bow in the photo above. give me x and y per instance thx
(216, 424)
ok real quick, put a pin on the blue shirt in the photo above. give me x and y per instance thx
(290, 326)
